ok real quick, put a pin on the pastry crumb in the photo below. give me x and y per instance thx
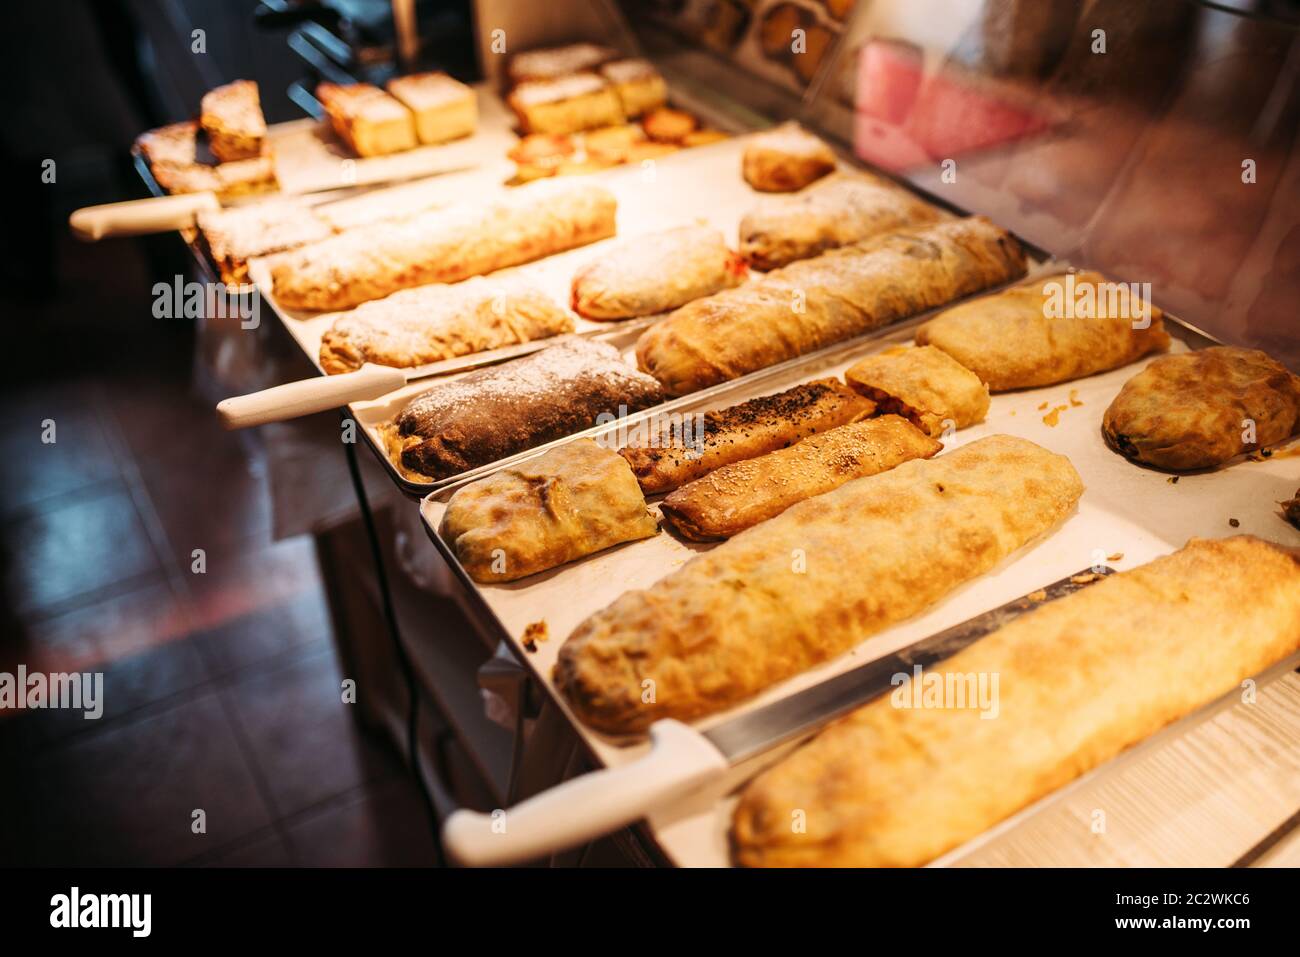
(1084, 578)
(1040, 595)
(1172, 480)
(1074, 398)
(1053, 418)
(1117, 557)
(1234, 523)
(1043, 406)
(534, 633)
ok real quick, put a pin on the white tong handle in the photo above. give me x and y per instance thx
(294, 399)
(680, 760)
(139, 217)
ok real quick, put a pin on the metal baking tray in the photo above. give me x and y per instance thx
(700, 184)
(1128, 515)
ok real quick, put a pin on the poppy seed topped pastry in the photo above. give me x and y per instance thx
(432, 323)
(502, 410)
(444, 245)
(1201, 409)
(663, 462)
(740, 495)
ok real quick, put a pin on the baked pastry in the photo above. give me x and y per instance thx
(1291, 510)
(568, 104)
(639, 86)
(840, 210)
(497, 412)
(569, 502)
(432, 323)
(236, 235)
(547, 63)
(650, 274)
(1201, 409)
(1080, 679)
(542, 150)
(703, 137)
(232, 117)
(1015, 339)
(927, 387)
(770, 422)
(816, 302)
(613, 144)
(173, 156)
(785, 159)
(443, 245)
(367, 119)
(740, 495)
(444, 108)
(811, 583)
(668, 125)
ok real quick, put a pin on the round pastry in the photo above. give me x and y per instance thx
(668, 125)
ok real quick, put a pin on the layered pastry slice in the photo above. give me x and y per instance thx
(639, 85)
(231, 116)
(445, 109)
(174, 158)
(580, 101)
(547, 63)
(367, 119)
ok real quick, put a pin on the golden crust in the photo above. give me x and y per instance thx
(432, 323)
(1080, 679)
(653, 273)
(444, 108)
(838, 211)
(739, 496)
(1009, 341)
(572, 501)
(932, 390)
(369, 120)
(231, 115)
(371, 262)
(820, 301)
(811, 583)
(770, 422)
(1198, 409)
(785, 159)
(580, 101)
(172, 153)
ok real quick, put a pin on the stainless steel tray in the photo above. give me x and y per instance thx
(1134, 513)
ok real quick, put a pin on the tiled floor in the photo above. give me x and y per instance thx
(221, 689)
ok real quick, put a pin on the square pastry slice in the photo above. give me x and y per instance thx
(231, 115)
(581, 101)
(367, 119)
(445, 109)
(173, 157)
(639, 86)
(548, 63)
